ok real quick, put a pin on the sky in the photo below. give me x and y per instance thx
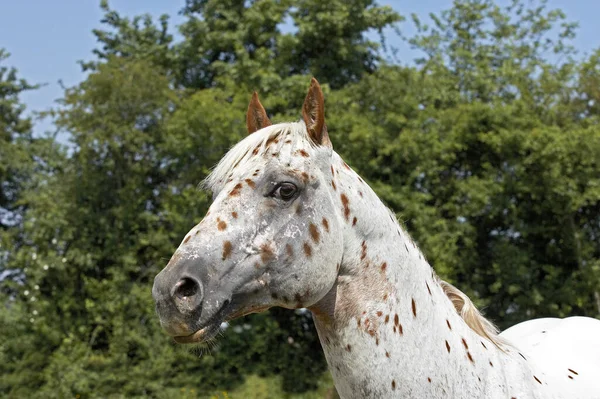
(46, 39)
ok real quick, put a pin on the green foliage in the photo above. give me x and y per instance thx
(486, 149)
(15, 135)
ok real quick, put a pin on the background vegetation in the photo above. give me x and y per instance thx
(488, 148)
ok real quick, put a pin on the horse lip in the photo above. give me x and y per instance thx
(210, 329)
(204, 334)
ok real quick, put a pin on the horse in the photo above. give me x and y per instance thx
(292, 225)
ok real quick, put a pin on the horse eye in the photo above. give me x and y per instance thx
(285, 191)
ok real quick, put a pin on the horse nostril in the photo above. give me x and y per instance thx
(186, 287)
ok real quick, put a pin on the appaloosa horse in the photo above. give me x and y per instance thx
(292, 225)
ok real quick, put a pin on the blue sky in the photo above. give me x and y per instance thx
(47, 38)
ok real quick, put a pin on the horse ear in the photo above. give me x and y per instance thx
(313, 113)
(256, 117)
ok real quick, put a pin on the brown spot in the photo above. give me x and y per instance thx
(383, 266)
(307, 249)
(304, 177)
(187, 239)
(379, 313)
(414, 307)
(447, 346)
(197, 232)
(354, 221)
(396, 319)
(236, 190)
(345, 203)
(221, 225)
(573, 371)
(332, 171)
(570, 376)
(470, 357)
(250, 183)
(255, 151)
(483, 345)
(465, 344)
(537, 379)
(333, 185)
(385, 296)
(289, 250)
(227, 247)
(428, 289)
(400, 330)
(266, 253)
(363, 254)
(314, 232)
(428, 379)
(360, 193)
(376, 340)
(257, 265)
(325, 224)
(449, 326)
(234, 215)
(346, 166)
(288, 141)
(387, 354)
(491, 364)
(303, 153)
(348, 348)
(387, 318)
(394, 385)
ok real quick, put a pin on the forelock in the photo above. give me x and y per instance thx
(256, 144)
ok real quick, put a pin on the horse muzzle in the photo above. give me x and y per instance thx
(181, 303)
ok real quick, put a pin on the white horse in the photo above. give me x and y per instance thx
(292, 225)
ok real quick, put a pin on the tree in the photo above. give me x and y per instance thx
(15, 132)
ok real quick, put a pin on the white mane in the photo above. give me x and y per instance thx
(259, 141)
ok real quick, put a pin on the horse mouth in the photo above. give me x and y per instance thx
(213, 326)
(210, 330)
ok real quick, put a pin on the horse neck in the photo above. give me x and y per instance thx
(387, 327)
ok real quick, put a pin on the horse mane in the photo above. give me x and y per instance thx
(469, 313)
(257, 143)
